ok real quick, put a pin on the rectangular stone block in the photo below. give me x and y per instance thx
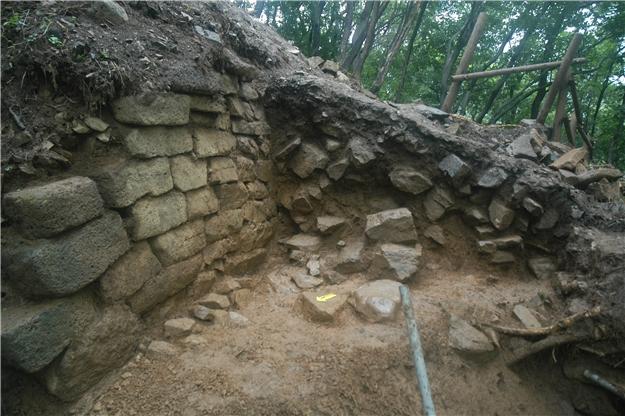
(47, 210)
(201, 202)
(231, 195)
(150, 142)
(203, 103)
(35, 334)
(246, 168)
(215, 120)
(152, 109)
(124, 182)
(65, 265)
(253, 128)
(218, 250)
(180, 243)
(167, 283)
(211, 142)
(223, 224)
(129, 273)
(222, 170)
(188, 173)
(154, 216)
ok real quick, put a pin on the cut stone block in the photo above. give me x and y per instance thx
(211, 142)
(47, 210)
(223, 224)
(231, 195)
(153, 109)
(222, 170)
(394, 226)
(154, 216)
(201, 202)
(188, 173)
(245, 262)
(329, 224)
(351, 259)
(151, 142)
(526, 317)
(180, 243)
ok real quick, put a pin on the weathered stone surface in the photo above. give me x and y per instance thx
(225, 223)
(409, 180)
(153, 109)
(34, 334)
(129, 273)
(397, 262)
(502, 257)
(178, 328)
(245, 262)
(304, 242)
(240, 108)
(226, 285)
(308, 157)
(231, 195)
(378, 300)
(393, 225)
(490, 246)
(150, 142)
(213, 120)
(201, 202)
(210, 142)
(500, 215)
(436, 234)
(218, 250)
(248, 92)
(106, 345)
(247, 146)
(246, 168)
(222, 170)
(361, 152)
(162, 348)
(533, 207)
(257, 190)
(492, 178)
(322, 307)
(314, 265)
(304, 281)
(542, 267)
(605, 191)
(351, 259)
(180, 243)
(206, 104)
(336, 170)
(329, 224)
(595, 175)
(330, 67)
(154, 216)
(288, 148)
(475, 215)
(454, 168)
(254, 235)
(526, 316)
(108, 10)
(121, 184)
(64, 265)
(484, 231)
(253, 128)
(43, 211)
(203, 283)
(264, 170)
(165, 284)
(437, 202)
(548, 220)
(522, 147)
(188, 173)
(570, 159)
(469, 341)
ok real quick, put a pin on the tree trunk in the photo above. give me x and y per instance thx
(347, 29)
(407, 22)
(315, 26)
(618, 133)
(413, 37)
(258, 8)
(604, 87)
(359, 36)
(378, 10)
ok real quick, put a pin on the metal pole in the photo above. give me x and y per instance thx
(417, 353)
(514, 69)
(602, 382)
(464, 62)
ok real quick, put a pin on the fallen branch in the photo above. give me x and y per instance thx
(549, 342)
(547, 330)
(17, 119)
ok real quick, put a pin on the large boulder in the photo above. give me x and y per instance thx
(129, 273)
(409, 180)
(64, 265)
(103, 346)
(123, 183)
(308, 157)
(165, 284)
(378, 300)
(180, 243)
(154, 216)
(188, 173)
(396, 261)
(148, 142)
(34, 334)
(153, 109)
(393, 225)
(47, 210)
(211, 142)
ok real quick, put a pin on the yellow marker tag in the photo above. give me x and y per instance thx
(325, 298)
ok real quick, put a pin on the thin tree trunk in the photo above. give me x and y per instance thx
(413, 37)
(258, 8)
(359, 36)
(347, 29)
(513, 103)
(618, 133)
(378, 10)
(408, 21)
(604, 87)
(315, 26)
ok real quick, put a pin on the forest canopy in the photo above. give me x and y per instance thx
(405, 51)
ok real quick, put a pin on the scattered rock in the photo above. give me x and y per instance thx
(409, 180)
(542, 267)
(203, 313)
(361, 152)
(241, 297)
(313, 266)
(322, 307)
(215, 301)
(522, 148)
(595, 175)
(329, 224)
(351, 259)
(162, 348)
(570, 159)
(308, 158)
(336, 170)
(394, 226)
(454, 168)
(437, 202)
(226, 285)
(500, 215)
(79, 127)
(502, 257)
(238, 320)
(396, 261)
(178, 328)
(605, 191)
(304, 242)
(492, 178)
(436, 234)
(533, 207)
(378, 300)
(526, 316)
(96, 124)
(469, 341)
(108, 10)
(304, 281)
(548, 220)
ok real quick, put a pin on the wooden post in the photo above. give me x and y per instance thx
(467, 55)
(514, 69)
(559, 116)
(572, 128)
(578, 115)
(560, 79)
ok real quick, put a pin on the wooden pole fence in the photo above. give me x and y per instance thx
(514, 69)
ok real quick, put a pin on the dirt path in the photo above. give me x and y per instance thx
(283, 364)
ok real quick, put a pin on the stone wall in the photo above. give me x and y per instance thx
(184, 198)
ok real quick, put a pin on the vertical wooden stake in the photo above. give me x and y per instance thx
(560, 79)
(572, 128)
(559, 116)
(467, 55)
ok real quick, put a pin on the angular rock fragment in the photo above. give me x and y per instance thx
(377, 301)
(533, 207)
(180, 243)
(548, 220)
(476, 215)
(492, 178)
(469, 341)
(350, 258)
(154, 216)
(397, 262)
(522, 148)
(241, 297)
(542, 267)
(393, 226)
(304, 281)
(46, 210)
(500, 215)
(437, 202)
(215, 301)
(235, 319)
(436, 234)
(484, 231)
(162, 348)
(336, 170)
(188, 173)
(361, 152)
(288, 148)
(179, 327)
(454, 168)
(322, 307)
(245, 262)
(313, 265)
(526, 317)
(329, 224)
(502, 257)
(409, 180)
(153, 109)
(570, 159)
(226, 285)
(308, 157)
(304, 242)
